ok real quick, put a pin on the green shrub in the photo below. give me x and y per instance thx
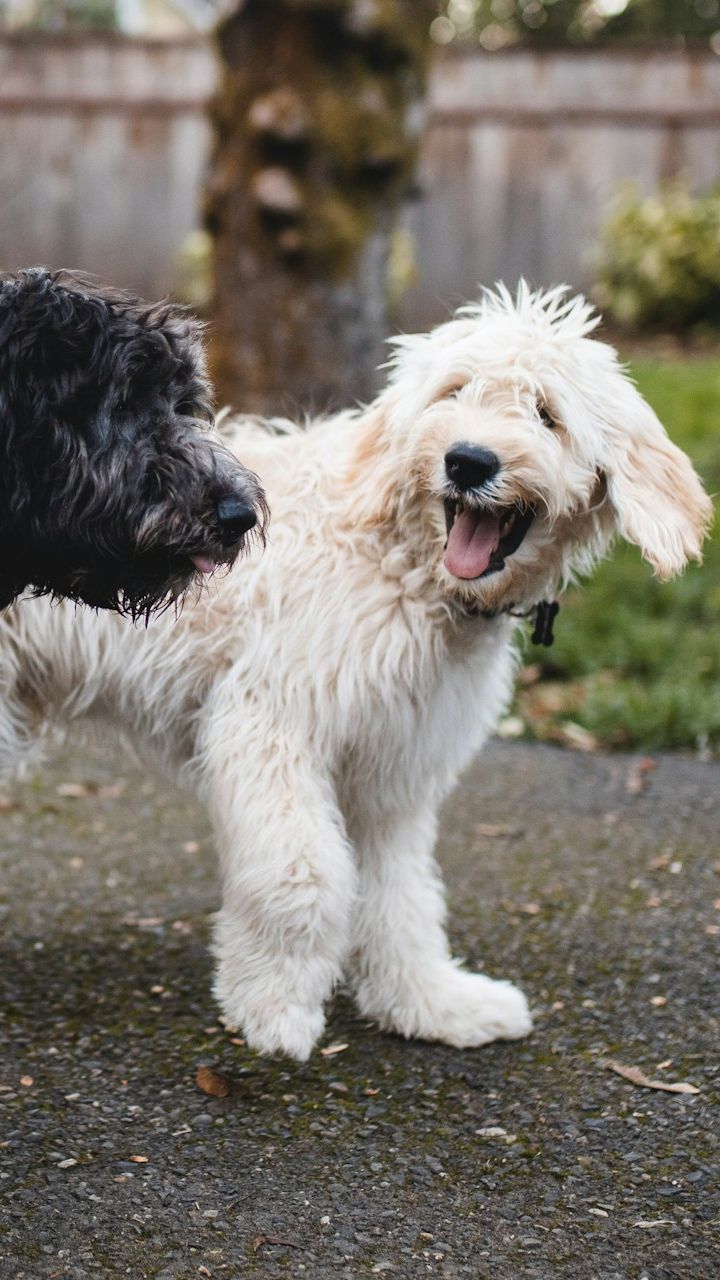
(658, 262)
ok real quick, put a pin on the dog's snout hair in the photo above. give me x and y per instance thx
(111, 474)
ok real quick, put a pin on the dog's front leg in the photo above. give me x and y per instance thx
(402, 970)
(282, 934)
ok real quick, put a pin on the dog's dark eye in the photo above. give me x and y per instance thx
(451, 390)
(546, 417)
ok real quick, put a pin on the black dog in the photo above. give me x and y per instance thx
(112, 490)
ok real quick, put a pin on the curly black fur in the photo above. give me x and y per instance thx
(110, 482)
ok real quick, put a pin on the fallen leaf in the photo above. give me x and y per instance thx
(662, 1066)
(496, 1131)
(212, 1083)
(259, 1241)
(510, 727)
(524, 908)
(638, 1077)
(659, 863)
(139, 1159)
(658, 1001)
(575, 736)
(371, 1093)
(237, 1040)
(331, 1049)
(26, 1081)
(637, 779)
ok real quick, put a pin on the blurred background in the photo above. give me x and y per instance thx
(313, 174)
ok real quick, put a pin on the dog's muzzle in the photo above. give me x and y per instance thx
(480, 536)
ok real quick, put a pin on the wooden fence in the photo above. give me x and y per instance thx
(525, 151)
(103, 145)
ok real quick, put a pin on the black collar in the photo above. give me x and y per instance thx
(544, 614)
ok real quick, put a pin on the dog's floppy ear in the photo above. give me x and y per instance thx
(658, 500)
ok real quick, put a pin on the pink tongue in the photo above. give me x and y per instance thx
(474, 537)
(204, 563)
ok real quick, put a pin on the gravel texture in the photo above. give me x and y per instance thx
(593, 881)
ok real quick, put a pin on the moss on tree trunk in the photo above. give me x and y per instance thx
(317, 125)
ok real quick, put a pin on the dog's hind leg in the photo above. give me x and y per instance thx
(288, 884)
(402, 971)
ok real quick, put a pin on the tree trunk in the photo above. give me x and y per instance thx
(317, 125)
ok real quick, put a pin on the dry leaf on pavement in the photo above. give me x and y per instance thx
(636, 1076)
(259, 1241)
(576, 736)
(212, 1083)
(637, 779)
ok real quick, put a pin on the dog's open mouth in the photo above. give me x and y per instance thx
(480, 540)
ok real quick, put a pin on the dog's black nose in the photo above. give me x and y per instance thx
(236, 517)
(469, 466)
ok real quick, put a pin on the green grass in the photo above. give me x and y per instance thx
(637, 662)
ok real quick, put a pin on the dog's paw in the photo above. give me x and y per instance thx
(291, 1030)
(465, 1010)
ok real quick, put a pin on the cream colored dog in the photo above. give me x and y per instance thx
(324, 697)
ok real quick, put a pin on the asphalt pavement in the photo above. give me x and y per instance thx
(593, 881)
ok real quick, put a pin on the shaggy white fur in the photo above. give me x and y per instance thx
(324, 697)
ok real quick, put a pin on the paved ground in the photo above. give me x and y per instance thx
(526, 1160)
